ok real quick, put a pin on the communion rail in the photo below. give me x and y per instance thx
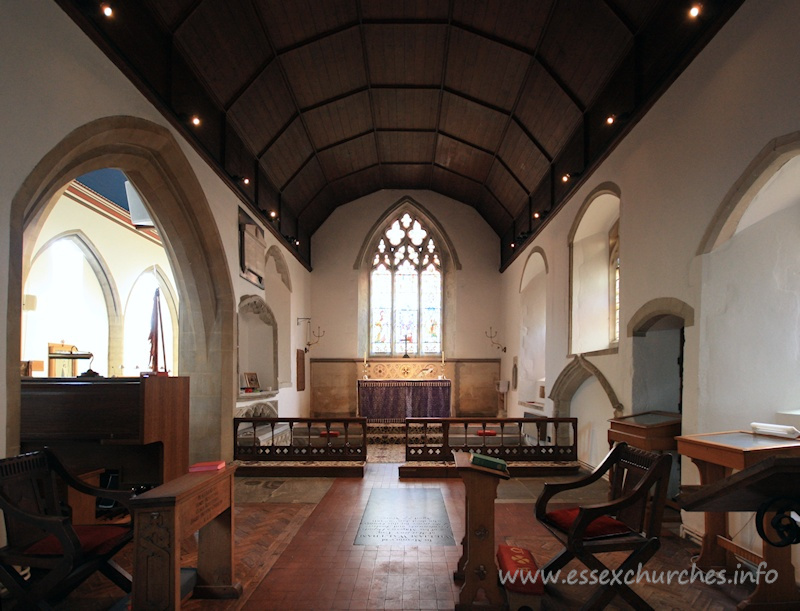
(512, 439)
(286, 439)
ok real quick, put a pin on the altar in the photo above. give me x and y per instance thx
(396, 400)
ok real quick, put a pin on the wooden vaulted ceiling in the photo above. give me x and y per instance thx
(319, 102)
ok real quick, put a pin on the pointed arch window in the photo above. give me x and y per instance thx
(405, 291)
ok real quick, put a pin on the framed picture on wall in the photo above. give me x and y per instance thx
(250, 380)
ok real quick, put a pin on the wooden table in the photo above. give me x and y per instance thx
(716, 455)
(165, 516)
(477, 567)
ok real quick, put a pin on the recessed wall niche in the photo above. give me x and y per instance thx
(258, 341)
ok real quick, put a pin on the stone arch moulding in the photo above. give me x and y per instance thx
(172, 301)
(656, 309)
(533, 262)
(280, 264)
(739, 197)
(570, 379)
(96, 263)
(152, 159)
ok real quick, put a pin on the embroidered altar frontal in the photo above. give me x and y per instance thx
(396, 400)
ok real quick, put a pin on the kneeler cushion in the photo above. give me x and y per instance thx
(329, 434)
(510, 559)
(93, 540)
(604, 526)
(482, 433)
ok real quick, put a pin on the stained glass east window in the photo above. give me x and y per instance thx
(406, 291)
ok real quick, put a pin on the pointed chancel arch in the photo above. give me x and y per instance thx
(142, 292)
(97, 265)
(105, 281)
(153, 160)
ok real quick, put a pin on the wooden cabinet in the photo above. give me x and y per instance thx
(652, 431)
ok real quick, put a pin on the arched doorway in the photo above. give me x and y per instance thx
(657, 330)
(151, 157)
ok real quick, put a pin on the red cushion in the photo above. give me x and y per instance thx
(329, 434)
(518, 570)
(94, 539)
(483, 433)
(604, 526)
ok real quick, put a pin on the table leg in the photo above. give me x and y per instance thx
(712, 556)
(215, 559)
(782, 592)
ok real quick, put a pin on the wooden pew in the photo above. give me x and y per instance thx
(136, 426)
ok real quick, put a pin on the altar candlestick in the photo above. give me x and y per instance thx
(365, 357)
(442, 357)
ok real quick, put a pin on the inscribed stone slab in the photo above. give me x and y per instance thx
(405, 516)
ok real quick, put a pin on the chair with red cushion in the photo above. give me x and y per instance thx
(629, 521)
(41, 535)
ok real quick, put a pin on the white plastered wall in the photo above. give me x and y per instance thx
(673, 170)
(474, 307)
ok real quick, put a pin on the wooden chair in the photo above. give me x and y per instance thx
(41, 535)
(629, 521)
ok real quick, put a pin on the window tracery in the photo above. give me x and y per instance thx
(406, 291)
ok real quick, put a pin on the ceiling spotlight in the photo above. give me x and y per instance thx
(195, 120)
(245, 181)
(513, 244)
(106, 9)
(565, 177)
(536, 215)
(610, 119)
(694, 12)
(273, 214)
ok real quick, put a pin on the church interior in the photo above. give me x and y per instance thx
(323, 253)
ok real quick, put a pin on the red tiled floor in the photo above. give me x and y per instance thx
(295, 556)
(325, 570)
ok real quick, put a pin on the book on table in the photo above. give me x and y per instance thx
(489, 462)
(210, 465)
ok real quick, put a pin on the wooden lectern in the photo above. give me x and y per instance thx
(163, 517)
(477, 567)
(755, 456)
